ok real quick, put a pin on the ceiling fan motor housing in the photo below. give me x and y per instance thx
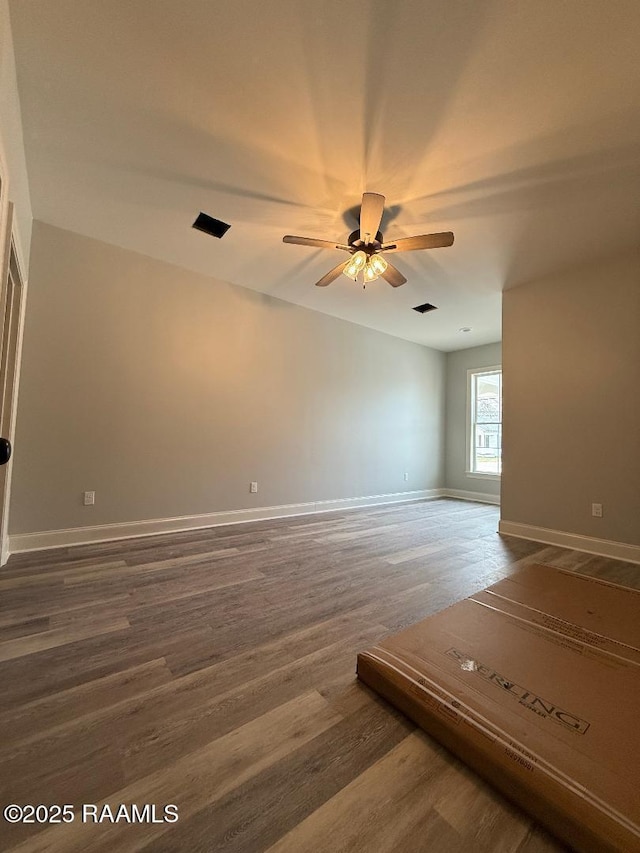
(355, 241)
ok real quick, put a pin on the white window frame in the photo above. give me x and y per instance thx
(471, 374)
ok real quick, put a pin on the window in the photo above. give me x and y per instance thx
(484, 422)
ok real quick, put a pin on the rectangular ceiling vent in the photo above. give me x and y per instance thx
(211, 226)
(422, 309)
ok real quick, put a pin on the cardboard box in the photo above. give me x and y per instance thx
(535, 684)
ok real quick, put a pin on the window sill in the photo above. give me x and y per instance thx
(477, 476)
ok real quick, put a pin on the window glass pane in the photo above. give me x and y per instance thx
(488, 398)
(487, 448)
(486, 423)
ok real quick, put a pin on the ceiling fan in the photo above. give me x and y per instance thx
(366, 244)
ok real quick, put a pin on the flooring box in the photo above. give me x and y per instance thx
(534, 683)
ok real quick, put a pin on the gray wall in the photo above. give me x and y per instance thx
(571, 353)
(166, 392)
(457, 365)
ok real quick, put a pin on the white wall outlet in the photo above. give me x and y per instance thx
(406, 476)
(89, 498)
(253, 487)
(596, 510)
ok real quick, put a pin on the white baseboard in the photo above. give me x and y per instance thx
(480, 497)
(588, 544)
(19, 542)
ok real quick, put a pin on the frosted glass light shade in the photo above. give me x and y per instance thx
(378, 264)
(369, 273)
(355, 265)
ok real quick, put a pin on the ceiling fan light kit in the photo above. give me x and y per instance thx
(370, 265)
(366, 244)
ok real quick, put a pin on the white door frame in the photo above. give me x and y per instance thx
(6, 217)
(13, 311)
(10, 255)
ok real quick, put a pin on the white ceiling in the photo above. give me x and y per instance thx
(515, 125)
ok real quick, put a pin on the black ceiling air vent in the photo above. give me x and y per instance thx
(422, 309)
(211, 226)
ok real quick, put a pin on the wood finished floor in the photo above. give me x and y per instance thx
(215, 670)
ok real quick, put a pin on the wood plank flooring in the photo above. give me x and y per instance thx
(214, 670)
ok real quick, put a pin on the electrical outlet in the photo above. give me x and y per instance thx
(253, 487)
(89, 498)
(406, 476)
(596, 510)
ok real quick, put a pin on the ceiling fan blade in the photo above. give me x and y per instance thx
(312, 241)
(425, 241)
(370, 216)
(393, 276)
(332, 275)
